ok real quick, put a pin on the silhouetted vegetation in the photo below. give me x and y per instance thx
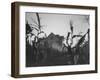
(50, 50)
(76, 51)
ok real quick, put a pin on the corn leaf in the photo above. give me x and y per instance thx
(74, 36)
(28, 28)
(81, 40)
(71, 26)
(68, 35)
(38, 19)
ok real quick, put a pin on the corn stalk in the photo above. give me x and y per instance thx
(70, 37)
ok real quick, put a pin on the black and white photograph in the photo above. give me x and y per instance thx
(54, 39)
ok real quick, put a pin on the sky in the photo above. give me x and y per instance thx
(60, 23)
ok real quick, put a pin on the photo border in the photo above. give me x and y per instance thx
(15, 32)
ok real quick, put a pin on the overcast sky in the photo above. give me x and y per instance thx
(60, 23)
